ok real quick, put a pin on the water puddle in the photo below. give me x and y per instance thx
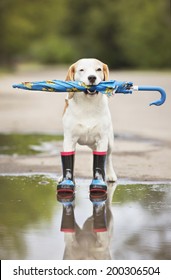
(28, 144)
(133, 223)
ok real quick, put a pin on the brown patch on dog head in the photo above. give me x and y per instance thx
(70, 77)
(71, 72)
(106, 72)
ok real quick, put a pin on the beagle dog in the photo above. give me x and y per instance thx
(86, 118)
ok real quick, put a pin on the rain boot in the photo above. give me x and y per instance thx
(98, 183)
(67, 184)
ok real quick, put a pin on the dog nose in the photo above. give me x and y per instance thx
(92, 78)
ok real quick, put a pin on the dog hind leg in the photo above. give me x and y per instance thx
(110, 173)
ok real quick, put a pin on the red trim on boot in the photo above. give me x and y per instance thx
(67, 153)
(67, 229)
(99, 153)
(100, 229)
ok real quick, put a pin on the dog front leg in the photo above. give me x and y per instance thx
(98, 183)
(69, 143)
(66, 184)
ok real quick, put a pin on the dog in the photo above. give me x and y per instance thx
(87, 121)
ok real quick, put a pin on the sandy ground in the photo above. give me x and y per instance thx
(143, 134)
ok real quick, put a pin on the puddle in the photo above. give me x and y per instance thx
(134, 222)
(28, 144)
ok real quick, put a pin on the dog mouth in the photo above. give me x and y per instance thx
(91, 93)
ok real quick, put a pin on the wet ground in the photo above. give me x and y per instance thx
(134, 222)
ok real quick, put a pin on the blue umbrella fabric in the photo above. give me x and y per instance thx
(106, 87)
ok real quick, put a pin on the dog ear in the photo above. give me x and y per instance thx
(106, 72)
(70, 77)
(71, 72)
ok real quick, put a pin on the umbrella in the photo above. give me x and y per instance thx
(106, 87)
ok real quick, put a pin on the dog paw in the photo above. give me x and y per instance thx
(111, 177)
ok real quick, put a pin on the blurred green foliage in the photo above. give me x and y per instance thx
(134, 33)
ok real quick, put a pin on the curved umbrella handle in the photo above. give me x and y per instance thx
(153, 88)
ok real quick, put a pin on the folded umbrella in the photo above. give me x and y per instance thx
(106, 87)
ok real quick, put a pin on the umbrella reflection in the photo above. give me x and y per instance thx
(92, 241)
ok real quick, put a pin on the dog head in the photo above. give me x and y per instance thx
(89, 71)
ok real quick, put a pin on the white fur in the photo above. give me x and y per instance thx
(87, 119)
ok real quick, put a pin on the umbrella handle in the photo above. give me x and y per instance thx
(153, 88)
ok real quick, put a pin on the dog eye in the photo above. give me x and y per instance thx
(99, 69)
(81, 70)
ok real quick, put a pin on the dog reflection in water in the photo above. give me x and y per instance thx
(92, 241)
